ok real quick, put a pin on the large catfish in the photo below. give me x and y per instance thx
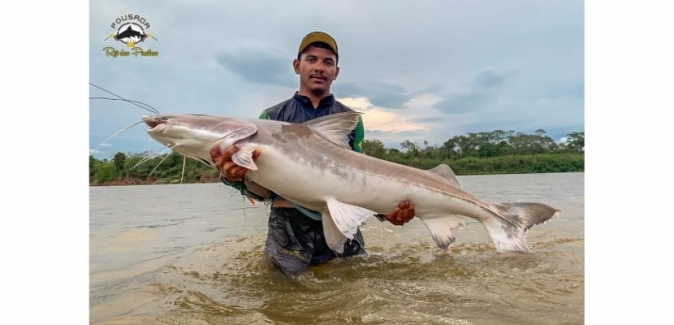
(312, 165)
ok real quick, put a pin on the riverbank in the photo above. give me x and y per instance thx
(205, 179)
(529, 164)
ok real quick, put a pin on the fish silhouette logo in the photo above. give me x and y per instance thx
(130, 30)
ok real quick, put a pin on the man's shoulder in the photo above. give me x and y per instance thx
(279, 105)
(273, 111)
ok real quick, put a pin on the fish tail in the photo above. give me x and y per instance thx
(508, 231)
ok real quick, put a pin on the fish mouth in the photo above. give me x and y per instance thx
(156, 123)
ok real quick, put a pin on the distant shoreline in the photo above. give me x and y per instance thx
(483, 153)
(484, 159)
(204, 179)
(215, 180)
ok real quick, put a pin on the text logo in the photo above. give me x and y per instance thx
(130, 30)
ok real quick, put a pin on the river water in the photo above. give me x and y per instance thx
(193, 254)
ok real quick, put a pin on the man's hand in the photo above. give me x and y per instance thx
(223, 161)
(402, 214)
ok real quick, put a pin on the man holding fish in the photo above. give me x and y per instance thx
(295, 238)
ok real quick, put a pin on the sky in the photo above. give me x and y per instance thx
(422, 71)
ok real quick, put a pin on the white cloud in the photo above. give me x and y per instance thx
(381, 119)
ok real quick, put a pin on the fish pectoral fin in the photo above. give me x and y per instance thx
(333, 236)
(441, 228)
(244, 157)
(243, 130)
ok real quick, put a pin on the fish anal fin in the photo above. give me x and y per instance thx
(333, 236)
(347, 217)
(441, 229)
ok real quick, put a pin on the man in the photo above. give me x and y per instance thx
(295, 238)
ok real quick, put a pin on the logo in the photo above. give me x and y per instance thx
(130, 30)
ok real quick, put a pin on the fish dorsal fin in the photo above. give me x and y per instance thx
(447, 173)
(335, 127)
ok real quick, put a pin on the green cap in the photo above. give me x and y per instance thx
(318, 37)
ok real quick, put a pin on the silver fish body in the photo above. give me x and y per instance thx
(311, 164)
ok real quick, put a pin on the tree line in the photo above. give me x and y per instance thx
(495, 152)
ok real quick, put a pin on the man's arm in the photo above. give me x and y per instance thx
(242, 185)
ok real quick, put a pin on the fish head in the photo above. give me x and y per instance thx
(194, 135)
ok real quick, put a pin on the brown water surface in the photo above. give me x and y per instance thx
(192, 254)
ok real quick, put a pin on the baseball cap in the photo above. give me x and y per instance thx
(318, 37)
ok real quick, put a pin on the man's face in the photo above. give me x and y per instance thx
(317, 69)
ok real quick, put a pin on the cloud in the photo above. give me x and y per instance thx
(377, 133)
(380, 119)
(482, 92)
(488, 78)
(379, 93)
(258, 63)
(426, 120)
(360, 104)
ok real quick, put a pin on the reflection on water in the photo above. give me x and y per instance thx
(192, 254)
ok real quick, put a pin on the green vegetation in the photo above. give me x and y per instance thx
(142, 168)
(496, 152)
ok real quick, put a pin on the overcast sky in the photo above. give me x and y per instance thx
(427, 70)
